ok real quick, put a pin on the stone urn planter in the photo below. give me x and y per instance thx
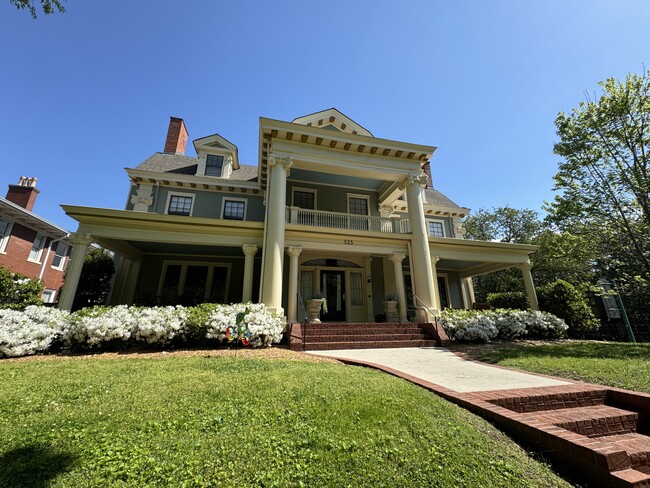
(314, 306)
(390, 308)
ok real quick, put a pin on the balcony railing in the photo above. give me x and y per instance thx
(335, 220)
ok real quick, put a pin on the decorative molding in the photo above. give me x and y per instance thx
(435, 259)
(249, 249)
(525, 266)
(285, 162)
(397, 257)
(294, 251)
(142, 200)
(387, 208)
(82, 239)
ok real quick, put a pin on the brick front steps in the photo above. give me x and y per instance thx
(602, 433)
(342, 335)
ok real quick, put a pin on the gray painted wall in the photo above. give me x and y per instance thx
(333, 198)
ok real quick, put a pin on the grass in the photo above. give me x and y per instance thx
(622, 365)
(223, 421)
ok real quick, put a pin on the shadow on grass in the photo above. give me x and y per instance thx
(34, 466)
(586, 350)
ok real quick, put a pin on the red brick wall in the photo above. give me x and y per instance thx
(16, 254)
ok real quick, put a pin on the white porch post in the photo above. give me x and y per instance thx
(397, 259)
(467, 288)
(421, 265)
(367, 265)
(247, 291)
(80, 244)
(436, 291)
(274, 243)
(530, 286)
(132, 281)
(292, 302)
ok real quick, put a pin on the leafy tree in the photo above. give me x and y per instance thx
(17, 291)
(95, 280)
(604, 180)
(48, 6)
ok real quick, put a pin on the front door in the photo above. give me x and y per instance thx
(333, 288)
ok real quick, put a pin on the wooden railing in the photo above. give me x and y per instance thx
(336, 220)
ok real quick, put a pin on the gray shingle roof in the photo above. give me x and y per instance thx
(434, 197)
(179, 164)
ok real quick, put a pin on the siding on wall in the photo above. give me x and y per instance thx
(333, 198)
(208, 204)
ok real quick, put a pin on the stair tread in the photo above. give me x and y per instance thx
(593, 412)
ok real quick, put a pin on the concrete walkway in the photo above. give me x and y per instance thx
(442, 367)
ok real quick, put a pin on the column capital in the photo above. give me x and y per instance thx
(387, 208)
(435, 259)
(82, 239)
(525, 266)
(414, 179)
(397, 257)
(249, 249)
(294, 251)
(276, 160)
(367, 259)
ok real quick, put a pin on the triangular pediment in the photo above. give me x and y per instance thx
(334, 120)
(215, 141)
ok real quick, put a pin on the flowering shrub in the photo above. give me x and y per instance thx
(159, 325)
(505, 324)
(38, 328)
(30, 331)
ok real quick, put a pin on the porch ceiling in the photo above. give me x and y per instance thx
(185, 249)
(304, 175)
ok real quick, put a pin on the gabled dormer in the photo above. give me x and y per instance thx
(217, 156)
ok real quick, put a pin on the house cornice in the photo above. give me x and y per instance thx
(175, 180)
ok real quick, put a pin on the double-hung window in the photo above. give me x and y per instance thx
(435, 228)
(213, 165)
(234, 209)
(37, 249)
(5, 230)
(179, 204)
(358, 205)
(59, 256)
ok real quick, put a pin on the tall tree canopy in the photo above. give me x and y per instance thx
(604, 180)
(48, 6)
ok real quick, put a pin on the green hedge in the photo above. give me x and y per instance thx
(17, 291)
(563, 299)
(516, 300)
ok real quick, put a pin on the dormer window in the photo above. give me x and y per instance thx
(213, 165)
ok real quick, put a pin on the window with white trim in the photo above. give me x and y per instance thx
(233, 209)
(58, 261)
(213, 165)
(304, 199)
(48, 295)
(5, 232)
(436, 228)
(37, 249)
(179, 204)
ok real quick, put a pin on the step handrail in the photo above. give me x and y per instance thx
(434, 312)
(304, 325)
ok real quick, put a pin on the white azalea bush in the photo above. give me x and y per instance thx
(159, 325)
(503, 324)
(30, 331)
(40, 329)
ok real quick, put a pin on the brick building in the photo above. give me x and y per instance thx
(29, 244)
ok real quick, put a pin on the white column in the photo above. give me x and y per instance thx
(118, 294)
(421, 265)
(80, 244)
(292, 302)
(467, 288)
(250, 250)
(397, 259)
(131, 282)
(436, 290)
(530, 286)
(367, 265)
(274, 242)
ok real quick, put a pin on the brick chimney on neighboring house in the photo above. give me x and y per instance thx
(426, 167)
(24, 193)
(176, 136)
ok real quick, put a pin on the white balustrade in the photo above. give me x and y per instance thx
(336, 220)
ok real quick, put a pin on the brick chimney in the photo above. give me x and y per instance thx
(24, 193)
(176, 136)
(426, 167)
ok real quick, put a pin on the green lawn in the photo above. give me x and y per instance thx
(222, 421)
(621, 365)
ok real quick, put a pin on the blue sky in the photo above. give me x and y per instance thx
(87, 93)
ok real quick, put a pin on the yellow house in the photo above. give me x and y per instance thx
(328, 208)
